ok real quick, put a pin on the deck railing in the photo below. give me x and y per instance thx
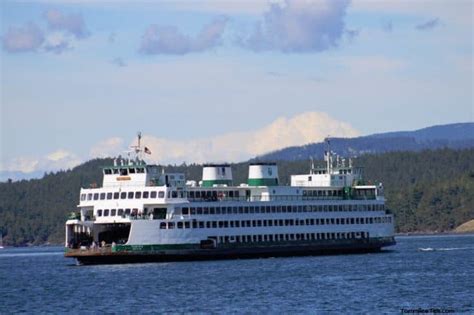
(278, 198)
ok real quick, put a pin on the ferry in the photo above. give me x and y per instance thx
(142, 213)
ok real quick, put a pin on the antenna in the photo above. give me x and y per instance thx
(139, 135)
(137, 148)
(312, 164)
(327, 154)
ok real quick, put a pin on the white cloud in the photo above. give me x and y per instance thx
(22, 39)
(107, 148)
(169, 40)
(72, 23)
(31, 38)
(234, 147)
(57, 43)
(21, 164)
(59, 159)
(300, 26)
(58, 155)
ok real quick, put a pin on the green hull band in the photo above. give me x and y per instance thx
(151, 248)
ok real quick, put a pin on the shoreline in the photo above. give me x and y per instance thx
(418, 233)
(428, 233)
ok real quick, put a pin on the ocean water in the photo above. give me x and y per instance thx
(421, 273)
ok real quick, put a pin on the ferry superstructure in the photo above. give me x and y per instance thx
(143, 214)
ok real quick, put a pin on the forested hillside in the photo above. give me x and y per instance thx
(427, 191)
(34, 211)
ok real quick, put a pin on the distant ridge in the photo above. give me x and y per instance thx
(453, 132)
(454, 136)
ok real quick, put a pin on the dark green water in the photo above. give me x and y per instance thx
(431, 272)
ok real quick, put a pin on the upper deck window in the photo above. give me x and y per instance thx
(115, 171)
(131, 170)
(109, 195)
(107, 171)
(130, 195)
(96, 196)
(102, 196)
(123, 195)
(116, 195)
(140, 170)
(153, 194)
(123, 172)
(138, 194)
(146, 194)
(161, 194)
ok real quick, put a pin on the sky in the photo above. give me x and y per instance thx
(214, 81)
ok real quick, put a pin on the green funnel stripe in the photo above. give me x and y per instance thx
(210, 183)
(262, 181)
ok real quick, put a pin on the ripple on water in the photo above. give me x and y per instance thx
(42, 280)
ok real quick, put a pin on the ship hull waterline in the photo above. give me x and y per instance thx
(106, 256)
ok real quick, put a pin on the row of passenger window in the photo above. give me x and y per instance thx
(124, 171)
(279, 209)
(205, 195)
(210, 194)
(213, 194)
(277, 222)
(131, 195)
(114, 212)
(291, 237)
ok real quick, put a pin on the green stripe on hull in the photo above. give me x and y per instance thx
(146, 248)
(210, 183)
(262, 182)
